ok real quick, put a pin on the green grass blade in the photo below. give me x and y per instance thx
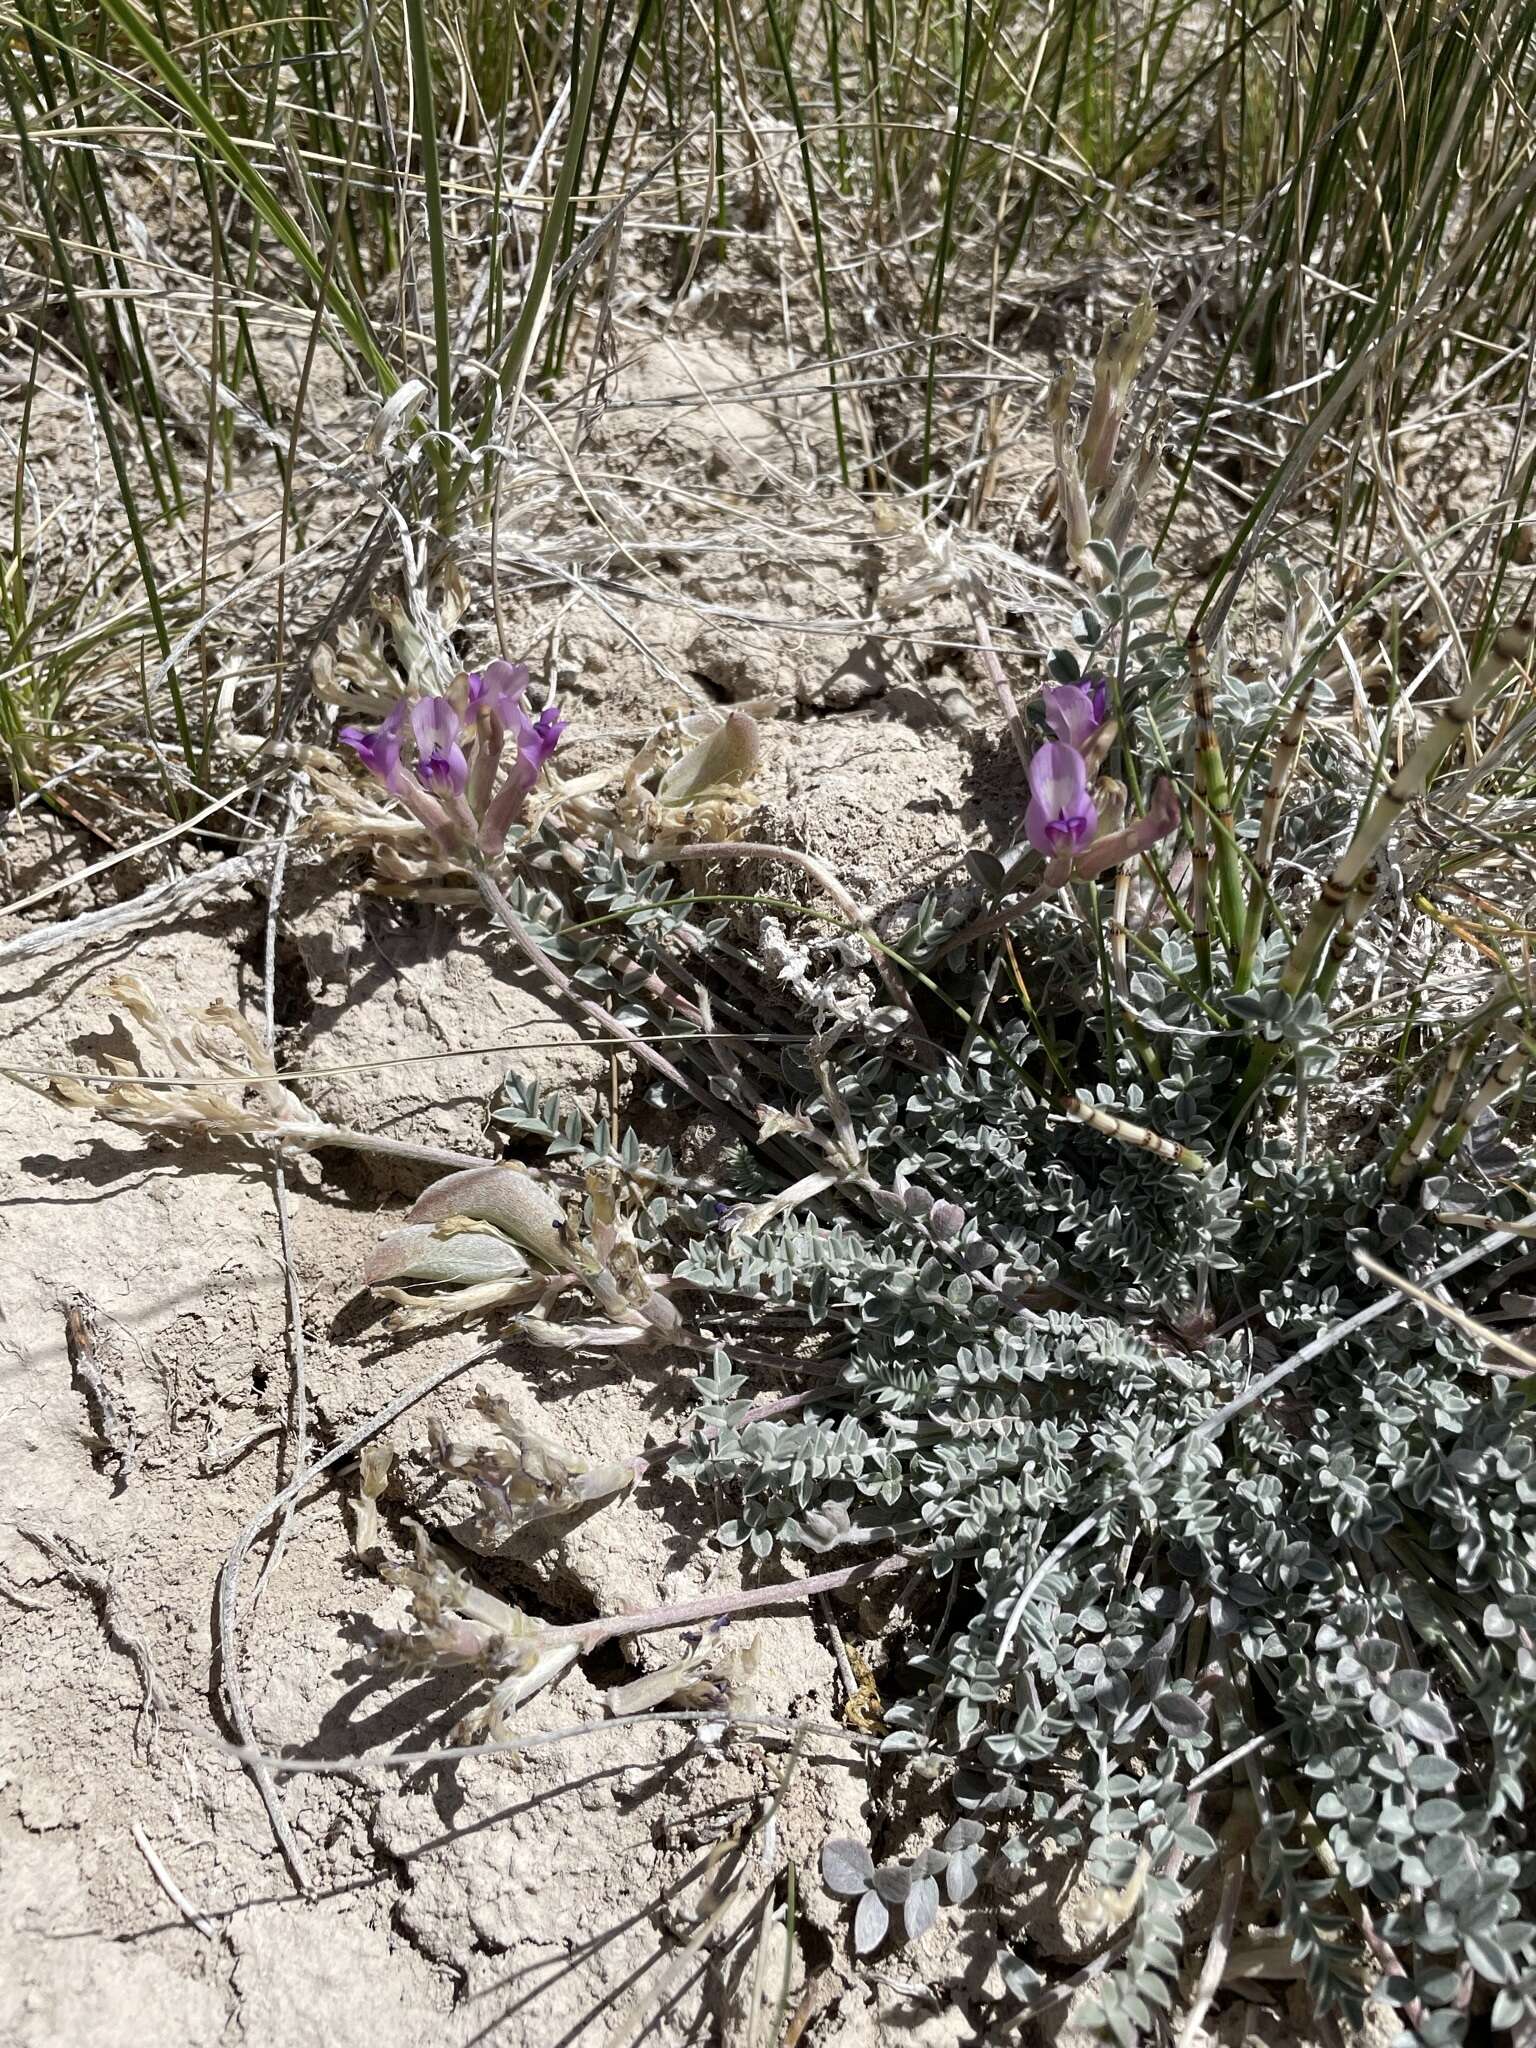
(99, 391)
(264, 202)
(437, 240)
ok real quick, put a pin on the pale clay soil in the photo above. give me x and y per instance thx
(533, 1901)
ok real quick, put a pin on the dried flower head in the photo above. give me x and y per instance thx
(706, 1678)
(220, 1073)
(524, 1477)
(457, 1623)
(703, 792)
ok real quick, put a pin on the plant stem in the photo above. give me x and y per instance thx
(724, 1606)
(606, 1022)
(317, 1137)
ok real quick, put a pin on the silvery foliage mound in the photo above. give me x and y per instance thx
(1300, 1641)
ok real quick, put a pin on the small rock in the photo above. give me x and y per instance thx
(742, 669)
(863, 673)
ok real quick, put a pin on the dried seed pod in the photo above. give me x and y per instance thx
(463, 1258)
(514, 1202)
(720, 766)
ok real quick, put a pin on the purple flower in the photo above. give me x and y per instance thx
(1061, 818)
(1075, 711)
(538, 738)
(494, 702)
(497, 688)
(440, 762)
(379, 751)
(452, 782)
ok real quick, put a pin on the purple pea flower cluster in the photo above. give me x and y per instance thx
(1062, 820)
(474, 757)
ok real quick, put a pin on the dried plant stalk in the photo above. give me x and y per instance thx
(1071, 492)
(1213, 788)
(1114, 372)
(1512, 644)
(241, 1097)
(1282, 770)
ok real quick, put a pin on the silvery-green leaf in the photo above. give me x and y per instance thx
(846, 1867)
(1508, 2008)
(921, 1908)
(1488, 1955)
(870, 1923)
(1180, 1714)
(1428, 1721)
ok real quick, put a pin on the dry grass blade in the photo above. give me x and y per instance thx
(1448, 1312)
